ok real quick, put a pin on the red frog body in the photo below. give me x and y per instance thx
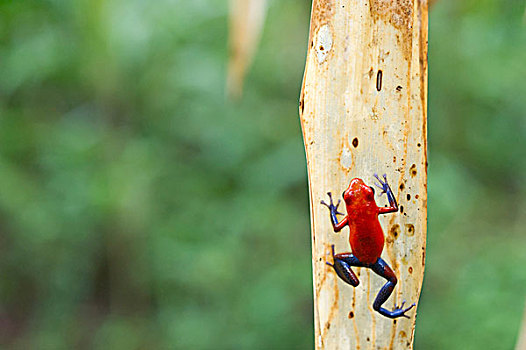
(366, 238)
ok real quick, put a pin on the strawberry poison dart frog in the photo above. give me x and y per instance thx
(366, 238)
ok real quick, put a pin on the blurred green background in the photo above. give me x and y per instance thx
(138, 210)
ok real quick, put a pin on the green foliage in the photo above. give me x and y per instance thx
(473, 296)
(139, 210)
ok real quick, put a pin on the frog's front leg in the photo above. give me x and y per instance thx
(381, 268)
(384, 186)
(342, 267)
(333, 209)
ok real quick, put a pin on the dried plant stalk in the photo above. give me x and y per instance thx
(363, 110)
(246, 23)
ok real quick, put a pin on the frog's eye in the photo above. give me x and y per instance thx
(372, 189)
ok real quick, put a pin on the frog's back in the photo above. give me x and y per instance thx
(366, 238)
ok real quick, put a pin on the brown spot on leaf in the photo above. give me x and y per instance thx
(379, 80)
(355, 142)
(410, 269)
(412, 170)
(399, 14)
(351, 314)
(395, 230)
(410, 228)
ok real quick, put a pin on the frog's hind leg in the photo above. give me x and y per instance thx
(342, 267)
(381, 268)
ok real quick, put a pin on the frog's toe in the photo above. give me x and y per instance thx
(399, 307)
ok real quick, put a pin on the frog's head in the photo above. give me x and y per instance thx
(358, 192)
